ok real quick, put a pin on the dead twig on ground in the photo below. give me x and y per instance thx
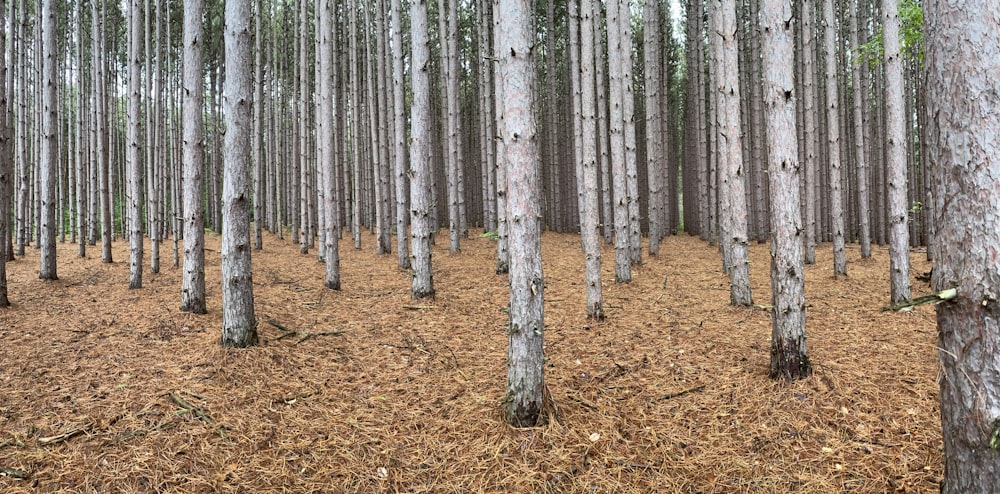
(679, 393)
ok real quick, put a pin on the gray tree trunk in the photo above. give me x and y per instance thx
(899, 243)
(48, 157)
(193, 280)
(860, 156)
(789, 358)
(503, 251)
(654, 144)
(733, 204)
(590, 229)
(6, 158)
(133, 151)
(833, 140)
(628, 115)
(258, 128)
(623, 259)
(327, 35)
(525, 358)
(809, 115)
(964, 121)
(399, 135)
(239, 326)
(420, 155)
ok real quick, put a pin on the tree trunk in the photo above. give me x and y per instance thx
(258, 128)
(809, 115)
(961, 53)
(864, 208)
(503, 251)
(327, 34)
(6, 158)
(590, 219)
(654, 143)
(623, 259)
(133, 150)
(420, 155)
(789, 358)
(733, 204)
(48, 157)
(239, 326)
(193, 281)
(525, 358)
(833, 140)
(899, 245)
(399, 135)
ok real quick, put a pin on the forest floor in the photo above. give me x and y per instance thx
(107, 389)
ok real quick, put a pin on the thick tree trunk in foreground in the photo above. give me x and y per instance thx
(899, 243)
(525, 358)
(963, 81)
(420, 156)
(193, 280)
(789, 358)
(239, 325)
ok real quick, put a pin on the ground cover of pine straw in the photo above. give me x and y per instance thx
(106, 389)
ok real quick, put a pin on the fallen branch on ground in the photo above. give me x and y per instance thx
(680, 393)
(196, 411)
(13, 472)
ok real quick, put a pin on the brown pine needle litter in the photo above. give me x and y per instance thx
(365, 390)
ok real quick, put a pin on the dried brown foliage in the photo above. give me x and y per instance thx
(670, 394)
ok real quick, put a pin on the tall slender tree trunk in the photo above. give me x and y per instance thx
(733, 208)
(258, 128)
(623, 258)
(899, 245)
(399, 135)
(327, 34)
(809, 114)
(193, 280)
(590, 229)
(654, 144)
(420, 155)
(525, 358)
(6, 158)
(628, 116)
(503, 244)
(964, 122)
(833, 140)
(133, 150)
(239, 325)
(48, 157)
(860, 157)
(789, 356)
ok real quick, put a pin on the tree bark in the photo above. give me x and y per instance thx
(590, 226)
(525, 358)
(654, 143)
(133, 150)
(899, 244)
(420, 155)
(789, 357)
(833, 140)
(964, 120)
(6, 158)
(239, 326)
(733, 204)
(399, 135)
(623, 258)
(327, 35)
(193, 280)
(48, 157)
